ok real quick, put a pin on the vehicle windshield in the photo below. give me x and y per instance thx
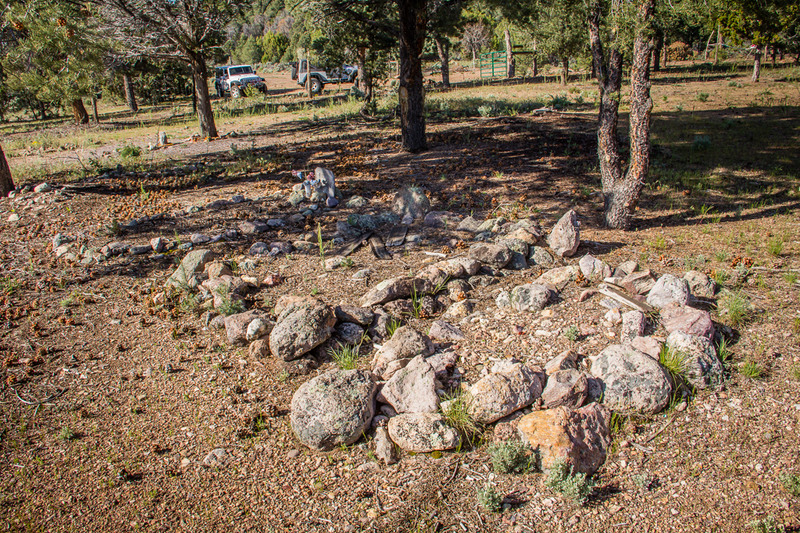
(236, 71)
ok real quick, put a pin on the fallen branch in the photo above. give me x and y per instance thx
(37, 403)
(617, 294)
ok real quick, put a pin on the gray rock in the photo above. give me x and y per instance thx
(566, 360)
(236, 325)
(441, 219)
(384, 447)
(700, 285)
(459, 267)
(647, 345)
(638, 282)
(394, 289)
(237, 198)
(626, 267)
(42, 187)
(301, 328)
(525, 236)
(491, 225)
(422, 432)
(460, 309)
(444, 364)
(701, 366)
(406, 343)
(140, 249)
(564, 239)
(633, 323)
(531, 297)
(558, 277)
(333, 409)
(258, 328)
(216, 458)
(192, 264)
(687, 320)
(258, 248)
(357, 315)
(363, 222)
(113, 249)
(469, 224)
(59, 239)
(668, 289)
(594, 269)
(411, 201)
(158, 244)
(566, 387)
(250, 227)
(217, 269)
(541, 257)
(349, 333)
(494, 255)
(199, 238)
(442, 331)
(412, 389)
(356, 202)
(501, 393)
(632, 380)
(276, 223)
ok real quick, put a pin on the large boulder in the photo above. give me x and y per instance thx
(422, 432)
(333, 409)
(493, 255)
(406, 343)
(412, 389)
(301, 328)
(192, 264)
(632, 380)
(510, 387)
(668, 290)
(565, 237)
(580, 437)
(701, 366)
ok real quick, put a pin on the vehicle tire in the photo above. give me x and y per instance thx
(316, 86)
(236, 91)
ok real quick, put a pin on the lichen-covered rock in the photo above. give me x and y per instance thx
(236, 325)
(593, 268)
(701, 366)
(422, 432)
(541, 257)
(688, 320)
(700, 285)
(406, 343)
(501, 393)
(394, 289)
(412, 389)
(558, 277)
(192, 264)
(349, 333)
(493, 255)
(531, 297)
(633, 324)
(442, 331)
(668, 289)
(333, 409)
(412, 202)
(357, 315)
(301, 328)
(565, 237)
(566, 387)
(632, 380)
(566, 360)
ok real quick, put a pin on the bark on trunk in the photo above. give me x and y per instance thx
(95, 114)
(774, 54)
(130, 96)
(666, 54)
(622, 190)
(364, 76)
(413, 19)
(205, 114)
(564, 71)
(511, 67)
(534, 64)
(443, 49)
(6, 183)
(719, 44)
(79, 112)
(708, 43)
(657, 52)
(757, 65)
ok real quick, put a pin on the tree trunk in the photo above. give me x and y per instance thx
(443, 49)
(413, 19)
(6, 183)
(666, 54)
(621, 192)
(708, 43)
(757, 65)
(205, 114)
(130, 96)
(79, 112)
(774, 54)
(719, 44)
(364, 76)
(564, 71)
(511, 67)
(95, 114)
(534, 63)
(657, 51)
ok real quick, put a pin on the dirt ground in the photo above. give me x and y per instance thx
(110, 401)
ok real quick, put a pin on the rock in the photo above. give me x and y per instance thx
(356, 202)
(494, 255)
(540, 256)
(490, 225)
(394, 289)
(593, 268)
(566, 387)
(236, 325)
(443, 364)
(501, 393)
(531, 297)
(702, 368)
(113, 249)
(460, 309)
(411, 201)
(558, 277)
(441, 219)
(647, 345)
(333, 409)
(42, 187)
(422, 432)
(459, 267)
(566, 360)
(458, 290)
(60, 239)
(217, 269)
(404, 344)
(638, 282)
(687, 320)
(199, 238)
(258, 328)
(332, 263)
(349, 333)
(700, 285)
(516, 245)
(625, 268)
(13, 217)
(357, 315)
(192, 264)
(564, 239)
(301, 328)
(276, 223)
(158, 244)
(280, 247)
(259, 349)
(140, 249)
(436, 277)
(250, 227)
(469, 224)
(384, 447)
(633, 323)
(632, 380)
(667, 290)
(63, 250)
(525, 236)
(399, 309)
(412, 389)
(216, 458)
(580, 437)
(442, 331)
(258, 248)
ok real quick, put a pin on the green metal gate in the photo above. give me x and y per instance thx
(493, 64)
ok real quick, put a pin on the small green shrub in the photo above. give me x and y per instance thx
(392, 326)
(752, 370)
(9, 285)
(775, 246)
(575, 487)
(791, 277)
(228, 305)
(572, 333)
(511, 457)
(489, 499)
(766, 525)
(734, 308)
(458, 414)
(791, 482)
(702, 97)
(345, 357)
(66, 434)
(130, 151)
(796, 372)
(701, 142)
(674, 361)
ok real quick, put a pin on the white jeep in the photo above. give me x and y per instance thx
(232, 80)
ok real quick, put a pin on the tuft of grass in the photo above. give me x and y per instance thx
(791, 277)
(489, 499)
(229, 306)
(572, 333)
(723, 351)
(511, 457)
(766, 525)
(392, 326)
(416, 302)
(702, 97)
(130, 151)
(775, 246)
(674, 361)
(9, 285)
(66, 434)
(791, 482)
(796, 372)
(734, 308)
(752, 370)
(345, 357)
(575, 487)
(458, 414)
(190, 304)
